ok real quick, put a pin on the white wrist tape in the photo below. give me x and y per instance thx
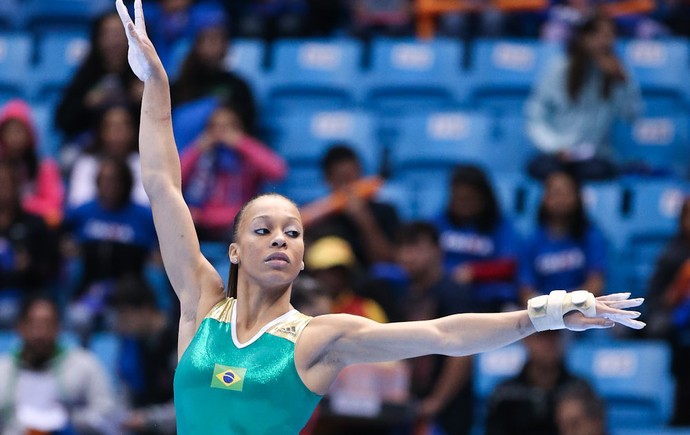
(547, 311)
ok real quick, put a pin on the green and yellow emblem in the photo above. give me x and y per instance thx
(228, 378)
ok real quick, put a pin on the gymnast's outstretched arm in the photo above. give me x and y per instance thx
(334, 341)
(196, 283)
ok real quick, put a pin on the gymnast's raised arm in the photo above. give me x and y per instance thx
(196, 283)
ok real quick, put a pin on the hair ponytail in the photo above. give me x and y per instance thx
(232, 280)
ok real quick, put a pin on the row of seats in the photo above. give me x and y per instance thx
(633, 377)
(54, 15)
(400, 74)
(438, 139)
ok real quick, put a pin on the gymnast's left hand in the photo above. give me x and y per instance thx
(142, 57)
(610, 309)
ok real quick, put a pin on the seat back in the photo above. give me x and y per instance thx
(632, 377)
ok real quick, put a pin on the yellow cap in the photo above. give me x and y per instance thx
(329, 252)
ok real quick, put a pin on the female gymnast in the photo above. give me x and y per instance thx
(250, 363)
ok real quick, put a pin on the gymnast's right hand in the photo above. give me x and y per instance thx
(142, 56)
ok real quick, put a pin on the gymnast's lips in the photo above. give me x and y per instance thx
(277, 256)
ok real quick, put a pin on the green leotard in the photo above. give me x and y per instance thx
(224, 387)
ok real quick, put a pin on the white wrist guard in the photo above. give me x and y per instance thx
(547, 311)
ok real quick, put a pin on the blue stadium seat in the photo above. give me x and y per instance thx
(503, 72)
(190, 119)
(661, 69)
(651, 222)
(408, 76)
(604, 205)
(519, 198)
(511, 148)
(657, 143)
(48, 136)
(302, 185)
(176, 57)
(441, 140)
(246, 58)
(303, 139)
(217, 254)
(312, 75)
(43, 17)
(59, 55)
(633, 377)
(106, 347)
(15, 58)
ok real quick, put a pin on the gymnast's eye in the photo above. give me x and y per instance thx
(293, 233)
(261, 231)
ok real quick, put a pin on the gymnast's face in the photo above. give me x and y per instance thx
(269, 246)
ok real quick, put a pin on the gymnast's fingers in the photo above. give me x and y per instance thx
(614, 297)
(628, 303)
(139, 21)
(123, 13)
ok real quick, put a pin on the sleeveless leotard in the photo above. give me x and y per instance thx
(224, 387)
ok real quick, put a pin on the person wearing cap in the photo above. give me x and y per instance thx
(51, 388)
(332, 262)
(248, 361)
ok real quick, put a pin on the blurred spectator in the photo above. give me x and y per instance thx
(49, 388)
(173, 22)
(480, 245)
(331, 261)
(572, 108)
(579, 411)
(308, 297)
(115, 137)
(273, 19)
(203, 74)
(441, 384)
(103, 79)
(114, 238)
(668, 305)
(381, 17)
(42, 190)
(29, 257)
(526, 403)
(147, 360)
(224, 168)
(566, 251)
(368, 226)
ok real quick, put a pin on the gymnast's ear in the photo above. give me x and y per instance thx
(234, 253)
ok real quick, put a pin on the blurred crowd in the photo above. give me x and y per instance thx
(79, 255)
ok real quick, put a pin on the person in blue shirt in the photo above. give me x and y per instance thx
(114, 236)
(480, 245)
(566, 251)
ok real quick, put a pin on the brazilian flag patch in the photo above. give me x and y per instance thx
(228, 378)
